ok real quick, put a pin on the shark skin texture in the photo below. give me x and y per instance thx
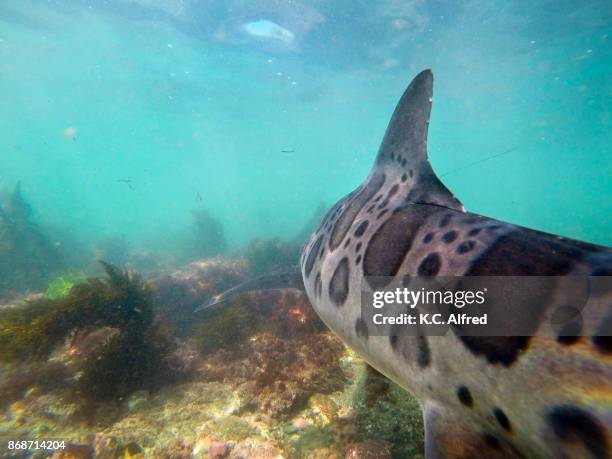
(482, 397)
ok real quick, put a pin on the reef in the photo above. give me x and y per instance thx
(275, 347)
(208, 235)
(182, 290)
(385, 412)
(129, 356)
(28, 258)
(121, 368)
(267, 255)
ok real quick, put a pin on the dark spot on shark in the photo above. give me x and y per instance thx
(322, 252)
(392, 191)
(411, 173)
(371, 208)
(571, 424)
(567, 321)
(428, 238)
(602, 340)
(318, 285)
(358, 247)
(423, 353)
(502, 419)
(358, 259)
(392, 156)
(381, 214)
(449, 236)
(445, 221)
(361, 328)
(363, 226)
(312, 254)
(404, 178)
(348, 241)
(338, 285)
(404, 162)
(405, 346)
(377, 198)
(602, 272)
(569, 333)
(466, 246)
(465, 396)
(492, 441)
(497, 349)
(391, 242)
(430, 265)
(474, 231)
(526, 253)
(345, 221)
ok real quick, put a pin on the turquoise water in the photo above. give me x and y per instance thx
(157, 134)
(179, 98)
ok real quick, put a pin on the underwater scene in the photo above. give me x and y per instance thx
(177, 280)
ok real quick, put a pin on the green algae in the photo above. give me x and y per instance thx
(232, 428)
(28, 258)
(61, 285)
(313, 438)
(132, 359)
(386, 412)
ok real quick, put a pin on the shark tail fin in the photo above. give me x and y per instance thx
(404, 146)
(288, 278)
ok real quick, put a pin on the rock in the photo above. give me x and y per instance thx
(182, 291)
(74, 452)
(133, 451)
(105, 446)
(369, 450)
(256, 449)
(217, 450)
(136, 400)
(300, 423)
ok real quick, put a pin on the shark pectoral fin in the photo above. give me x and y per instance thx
(404, 147)
(447, 436)
(288, 278)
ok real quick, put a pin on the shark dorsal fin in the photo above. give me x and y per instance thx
(404, 147)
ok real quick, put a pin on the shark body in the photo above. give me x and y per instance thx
(490, 397)
(534, 396)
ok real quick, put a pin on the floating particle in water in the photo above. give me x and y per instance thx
(70, 133)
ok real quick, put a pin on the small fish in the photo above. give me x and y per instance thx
(128, 182)
(70, 133)
(198, 197)
(287, 151)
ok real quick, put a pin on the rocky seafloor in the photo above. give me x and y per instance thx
(260, 377)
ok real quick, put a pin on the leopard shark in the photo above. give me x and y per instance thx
(540, 396)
